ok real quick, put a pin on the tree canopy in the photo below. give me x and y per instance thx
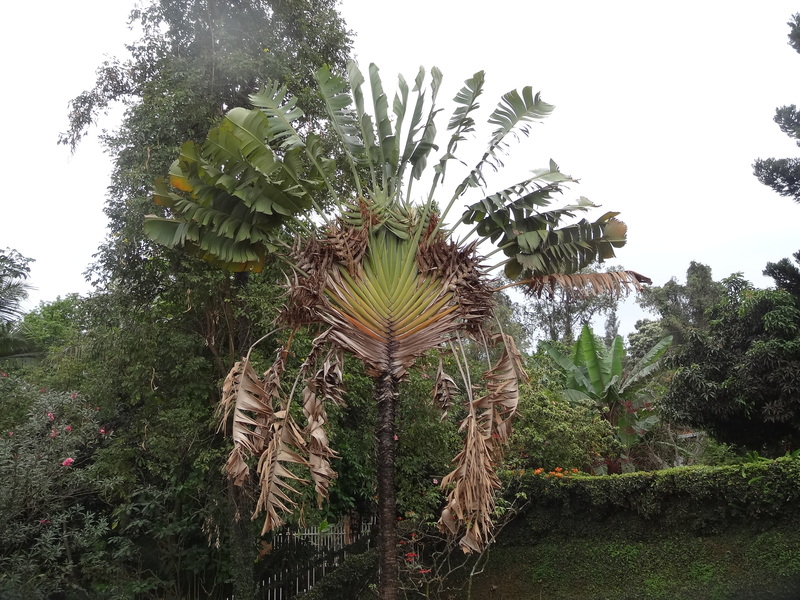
(162, 328)
(739, 379)
(683, 308)
(783, 174)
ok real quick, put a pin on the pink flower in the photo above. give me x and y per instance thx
(67, 462)
(73, 396)
(435, 481)
(44, 521)
(68, 428)
(10, 433)
(53, 433)
(4, 374)
(43, 390)
(396, 438)
(51, 416)
(102, 431)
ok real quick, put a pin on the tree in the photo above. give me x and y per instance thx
(163, 328)
(783, 174)
(595, 373)
(382, 278)
(194, 61)
(785, 274)
(683, 308)
(14, 272)
(739, 380)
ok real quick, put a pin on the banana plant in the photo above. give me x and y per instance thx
(595, 373)
(380, 273)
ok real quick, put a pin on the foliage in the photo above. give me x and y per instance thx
(153, 341)
(595, 374)
(783, 174)
(698, 499)
(683, 308)
(645, 335)
(350, 581)
(626, 565)
(714, 533)
(551, 432)
(53, 524)
(785, 275)
(739, 381)
(14, 271)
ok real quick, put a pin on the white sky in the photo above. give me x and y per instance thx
(661, 109)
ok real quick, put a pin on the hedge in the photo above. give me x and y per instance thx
(698, 500)
(713, 533)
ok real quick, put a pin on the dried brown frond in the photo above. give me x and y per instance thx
(329, 379)
(487, 427)
(319, 451)
(444, 389)
(471, 500)
(347, 244)
(244, 395)
(499, 405)
(581, 285)
(313, 259)
(284, 443)
(460, 269)
(263, 427)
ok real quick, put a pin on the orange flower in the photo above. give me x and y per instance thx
(538, 471)
(558, 469)
(559, 475)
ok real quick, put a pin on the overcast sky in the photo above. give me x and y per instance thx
(661, 109)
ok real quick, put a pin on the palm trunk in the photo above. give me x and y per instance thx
(386, 392)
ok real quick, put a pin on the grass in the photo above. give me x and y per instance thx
(736, 565)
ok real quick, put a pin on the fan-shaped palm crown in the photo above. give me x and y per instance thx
(383, 278)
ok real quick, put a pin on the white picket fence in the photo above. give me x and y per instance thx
(330, 549)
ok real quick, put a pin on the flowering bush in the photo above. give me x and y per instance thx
(50, 524)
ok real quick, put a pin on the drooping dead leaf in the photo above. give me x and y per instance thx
(444, 389)
(471, 500)
(581, 285)
(499, 405)
(274, 477)
(323, 384)
(244, 395)
(487, 427)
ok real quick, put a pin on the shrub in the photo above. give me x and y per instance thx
(52, 527)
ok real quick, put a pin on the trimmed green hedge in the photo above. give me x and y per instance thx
(715, 533)
(697, 500)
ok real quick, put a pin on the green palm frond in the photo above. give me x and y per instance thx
(511, 117)
(281, 112)
(338, 103)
